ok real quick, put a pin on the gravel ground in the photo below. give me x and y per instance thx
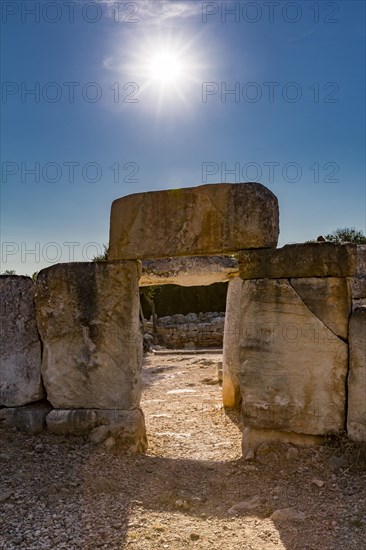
(191, 490)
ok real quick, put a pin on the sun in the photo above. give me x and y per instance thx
(167, 71)
(165, 67)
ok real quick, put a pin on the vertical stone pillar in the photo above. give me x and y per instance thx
(20, 349)
(88, 318)
(231, 364)
(356, 414)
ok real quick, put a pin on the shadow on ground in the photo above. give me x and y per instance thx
(74, 495)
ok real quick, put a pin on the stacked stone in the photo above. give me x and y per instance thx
(74, 336)
(86, 315)
(295, 328)
(299, 317)
(191, 331)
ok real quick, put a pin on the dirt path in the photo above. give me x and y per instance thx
(183, 409)
(68, 494)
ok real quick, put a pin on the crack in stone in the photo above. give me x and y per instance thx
(312, 312)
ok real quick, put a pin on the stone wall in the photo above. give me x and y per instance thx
(192, 331)
(20, 350)
(87, 317)
(294, 347)
(294, 337)
(287, 350)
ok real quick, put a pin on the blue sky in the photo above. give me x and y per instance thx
(102, 124)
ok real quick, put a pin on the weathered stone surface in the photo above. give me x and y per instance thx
(230, 362)
(126, 427)
(254, 437)
(358, 291)
(20, 355)
(190, 331)
(358, 287)
(29, 418)
(205, 220)
(357, 304)
(356, 417)
(292, 367)
(323, 259)
(88, 319)
(189, 271)
(329, 298)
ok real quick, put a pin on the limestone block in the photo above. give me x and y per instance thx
(30, 419)
(358, 287)
(254, 437)
(126, 427)
(292, 367)
(360, 302)
(231, 364)
(88, 318)
(205, 220)
(20, 354)
(329, 298)
(189, 271)
(356, 417)
(323, 259)
(358, 291)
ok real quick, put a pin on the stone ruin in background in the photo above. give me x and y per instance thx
(294, 335)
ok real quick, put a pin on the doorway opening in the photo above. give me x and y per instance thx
(182, 373)
(183, 318)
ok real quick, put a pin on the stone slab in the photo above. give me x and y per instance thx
(125, 427)
(189, 271)
(254, 437)
(88, 318)
(30, 419)
(292, 367)
(20, 350)
(231, 363)
(356, 416)
(323, 259)
(204, 220)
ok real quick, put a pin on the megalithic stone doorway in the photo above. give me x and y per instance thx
(286, 332)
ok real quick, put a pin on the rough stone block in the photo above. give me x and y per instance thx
(88, 318)
(254, 437)
(189, 271)
(292, 367)
(205, 220)
(125, 427)
(356, 417)
(20, 355)
(329, 298)
(358, 291)
(324, 259)
(231, 364)
(30, 419)
(358, 287)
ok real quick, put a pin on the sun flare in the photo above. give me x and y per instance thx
(166, 70)
(165, 67)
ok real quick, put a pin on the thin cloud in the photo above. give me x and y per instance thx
(159, 10)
